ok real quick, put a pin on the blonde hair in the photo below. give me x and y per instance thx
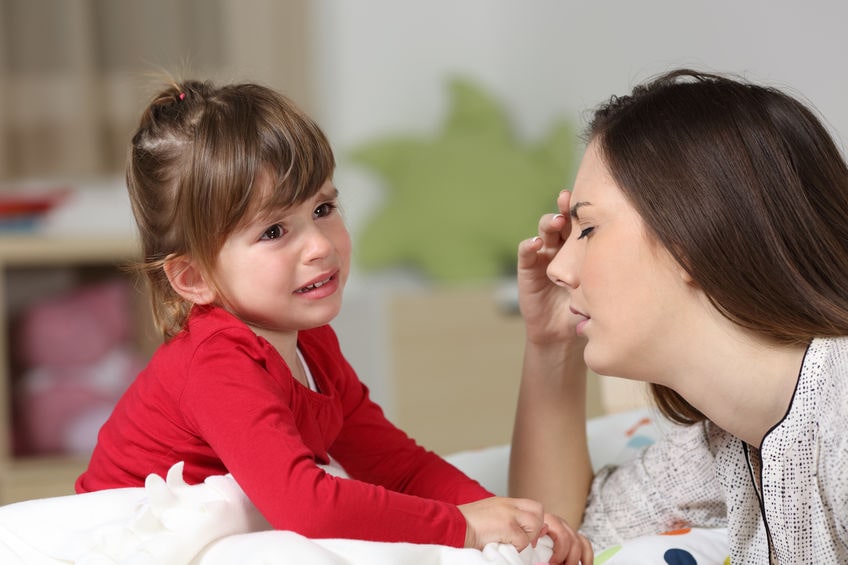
(192, 174)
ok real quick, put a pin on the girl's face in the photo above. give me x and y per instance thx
(627, 289)
(286, 272)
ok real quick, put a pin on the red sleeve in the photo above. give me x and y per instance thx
(245, 413)
(371, 448)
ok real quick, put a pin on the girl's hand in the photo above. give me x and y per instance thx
(521, 522)
(544, 305)
(517, 521)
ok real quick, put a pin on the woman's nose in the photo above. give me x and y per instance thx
(562, 270)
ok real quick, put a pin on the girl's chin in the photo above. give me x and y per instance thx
(325, 317)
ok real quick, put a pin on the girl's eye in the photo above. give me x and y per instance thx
(324, 209)
(273, 232)
(586, 232)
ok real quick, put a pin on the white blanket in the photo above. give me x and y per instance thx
(168, 522)
(213, 523)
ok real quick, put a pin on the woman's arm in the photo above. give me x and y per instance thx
(549, 459)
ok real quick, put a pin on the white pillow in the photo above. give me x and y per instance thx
(613, 439)
(695, 546)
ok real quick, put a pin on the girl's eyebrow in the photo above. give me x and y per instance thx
(331, 193)
(576, 207)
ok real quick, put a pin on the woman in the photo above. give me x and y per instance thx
(704, 250)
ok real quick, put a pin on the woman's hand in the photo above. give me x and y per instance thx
(549, 459)
(570, 547)
(521, 522)
(544, 305)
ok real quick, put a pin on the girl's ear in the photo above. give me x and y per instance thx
(188, 281)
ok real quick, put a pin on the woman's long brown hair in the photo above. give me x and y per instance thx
(749, 193)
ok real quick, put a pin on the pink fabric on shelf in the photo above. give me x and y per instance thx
(78, 327)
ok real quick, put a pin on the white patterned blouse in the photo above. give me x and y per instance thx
(784, 503)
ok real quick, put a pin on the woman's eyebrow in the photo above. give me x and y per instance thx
(576, 207)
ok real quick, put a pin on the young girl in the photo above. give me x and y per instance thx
(246, 256)
(704, 249)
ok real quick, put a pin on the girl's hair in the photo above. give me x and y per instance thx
(192, 174)
(744, 186)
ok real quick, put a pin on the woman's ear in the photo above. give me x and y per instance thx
(686, 277)
(188, 281)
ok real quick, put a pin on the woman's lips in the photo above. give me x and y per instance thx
(581, 325)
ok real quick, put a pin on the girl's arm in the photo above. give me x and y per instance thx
(270, 434)
(549, 459)
(372, 449)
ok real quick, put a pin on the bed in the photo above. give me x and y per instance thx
(170, 522)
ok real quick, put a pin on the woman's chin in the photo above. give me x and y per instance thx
(597, 362)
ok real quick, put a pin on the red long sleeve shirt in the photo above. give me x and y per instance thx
(221, 399)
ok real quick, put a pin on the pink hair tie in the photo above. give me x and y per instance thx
(182, 95)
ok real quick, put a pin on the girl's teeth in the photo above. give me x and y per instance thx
(314, 286)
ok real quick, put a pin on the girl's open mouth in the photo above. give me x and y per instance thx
(315, 285)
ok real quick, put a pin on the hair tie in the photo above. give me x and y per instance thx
(182, 95)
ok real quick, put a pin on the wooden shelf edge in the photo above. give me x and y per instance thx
(23, 250)
(25, 478)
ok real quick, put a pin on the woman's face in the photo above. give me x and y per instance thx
(627, 289)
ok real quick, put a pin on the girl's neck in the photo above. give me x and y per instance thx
(286, 345)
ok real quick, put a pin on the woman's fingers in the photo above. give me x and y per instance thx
(570, 548)
(528, 252)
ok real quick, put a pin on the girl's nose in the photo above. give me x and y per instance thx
(316, 244)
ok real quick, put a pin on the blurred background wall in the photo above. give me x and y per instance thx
(74, 75)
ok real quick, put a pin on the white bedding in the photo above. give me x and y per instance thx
(169, 522)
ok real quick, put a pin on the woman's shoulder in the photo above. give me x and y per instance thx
(826, 369)
(834, 349)
(828, 364)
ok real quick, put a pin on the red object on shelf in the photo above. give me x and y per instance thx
(21, 209)
(29, 202)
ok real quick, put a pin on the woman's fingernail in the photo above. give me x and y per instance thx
(558, 216)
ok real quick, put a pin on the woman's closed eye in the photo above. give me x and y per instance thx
(586, 232)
